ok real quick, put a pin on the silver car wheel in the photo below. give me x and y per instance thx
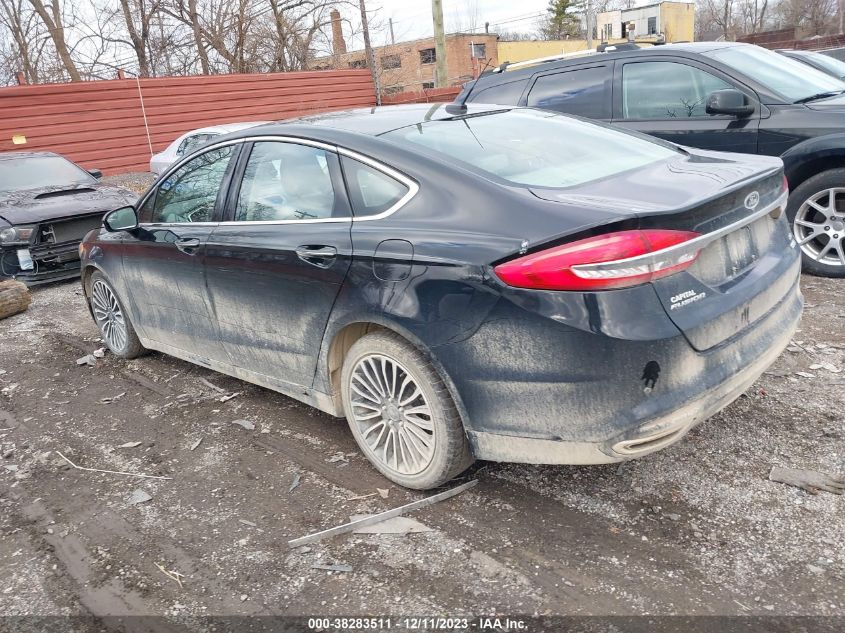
(109, 316)
(819, 227)
(392, 415)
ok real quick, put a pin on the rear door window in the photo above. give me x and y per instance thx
(287, 181)
(584, 92)
(666, 90)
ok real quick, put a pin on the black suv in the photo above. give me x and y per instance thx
(712, 95)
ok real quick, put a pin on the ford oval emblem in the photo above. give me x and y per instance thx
(752, 200)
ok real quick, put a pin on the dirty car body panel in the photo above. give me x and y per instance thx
(47, 205)
(427, 214)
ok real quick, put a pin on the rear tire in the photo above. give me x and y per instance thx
(112, 320)
(401, 414)
(819, 224)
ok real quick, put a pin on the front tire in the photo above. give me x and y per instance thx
(112, 320)
(816, 212)
(401, 414)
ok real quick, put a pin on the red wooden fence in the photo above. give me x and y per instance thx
(433, 95)
(101, 123)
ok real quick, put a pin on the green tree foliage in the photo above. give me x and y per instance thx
(562, 20)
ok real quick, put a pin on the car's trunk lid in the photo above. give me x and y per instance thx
(738, 275)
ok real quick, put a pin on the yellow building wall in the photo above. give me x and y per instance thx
(678, 21)
(532, 49)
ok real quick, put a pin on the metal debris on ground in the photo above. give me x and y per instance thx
(110, 472)
(196, 444)
(99, 353)
(249, 426)
(396, 525)
(249, 523)
(337, 457)
(383, 492)
(130, 445)
(297, 479)
(810, 480)
(229, 397)
(343, 568)
(173, 575)
(87, 360)
(805, 374)
(378, 518)
(139, 496)
(359, 497)
(110, 399)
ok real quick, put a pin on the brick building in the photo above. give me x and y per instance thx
(410, 66)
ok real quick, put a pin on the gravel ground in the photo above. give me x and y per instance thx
(138, 182)
(697, 529)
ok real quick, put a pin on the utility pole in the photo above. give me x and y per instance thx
(589, 16)
(440, 74)
(392, 39)
(371, 58)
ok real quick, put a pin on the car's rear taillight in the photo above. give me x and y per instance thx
(785, 185)
(613, 260)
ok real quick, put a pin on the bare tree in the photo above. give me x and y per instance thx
(54, 19)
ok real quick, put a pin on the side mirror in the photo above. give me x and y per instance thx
(122, 219)
(96, 173)
(731, 102)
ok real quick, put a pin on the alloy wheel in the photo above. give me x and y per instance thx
(109, 315)
(819, 226)
(392, 414)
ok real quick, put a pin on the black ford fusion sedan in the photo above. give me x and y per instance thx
(504, 284)
(47, 205)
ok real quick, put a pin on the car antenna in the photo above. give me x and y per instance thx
(460, 107)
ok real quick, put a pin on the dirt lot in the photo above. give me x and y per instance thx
(694, 530)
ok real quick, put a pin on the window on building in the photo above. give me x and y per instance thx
(666, 90)
(652, 26)
(428, 56)
(391, 61)
(392, 90)
(478, 51)
(428, 85)
(358, 63)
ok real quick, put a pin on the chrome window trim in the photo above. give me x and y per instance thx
(689, 246)
(413, 187)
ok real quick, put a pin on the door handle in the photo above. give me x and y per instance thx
(322, 256)
(187, 245)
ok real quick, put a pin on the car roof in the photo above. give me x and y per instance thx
(19, 155)
(493, 77)
(378, 120)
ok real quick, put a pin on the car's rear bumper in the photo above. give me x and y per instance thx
(533, 390)
(658, 432)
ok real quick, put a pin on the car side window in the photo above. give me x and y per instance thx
(584, 92)
(666, 90)
(190, 193)
(505, 94)
(371, 191)
(287, 181)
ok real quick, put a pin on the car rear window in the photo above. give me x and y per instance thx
(533, 147)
